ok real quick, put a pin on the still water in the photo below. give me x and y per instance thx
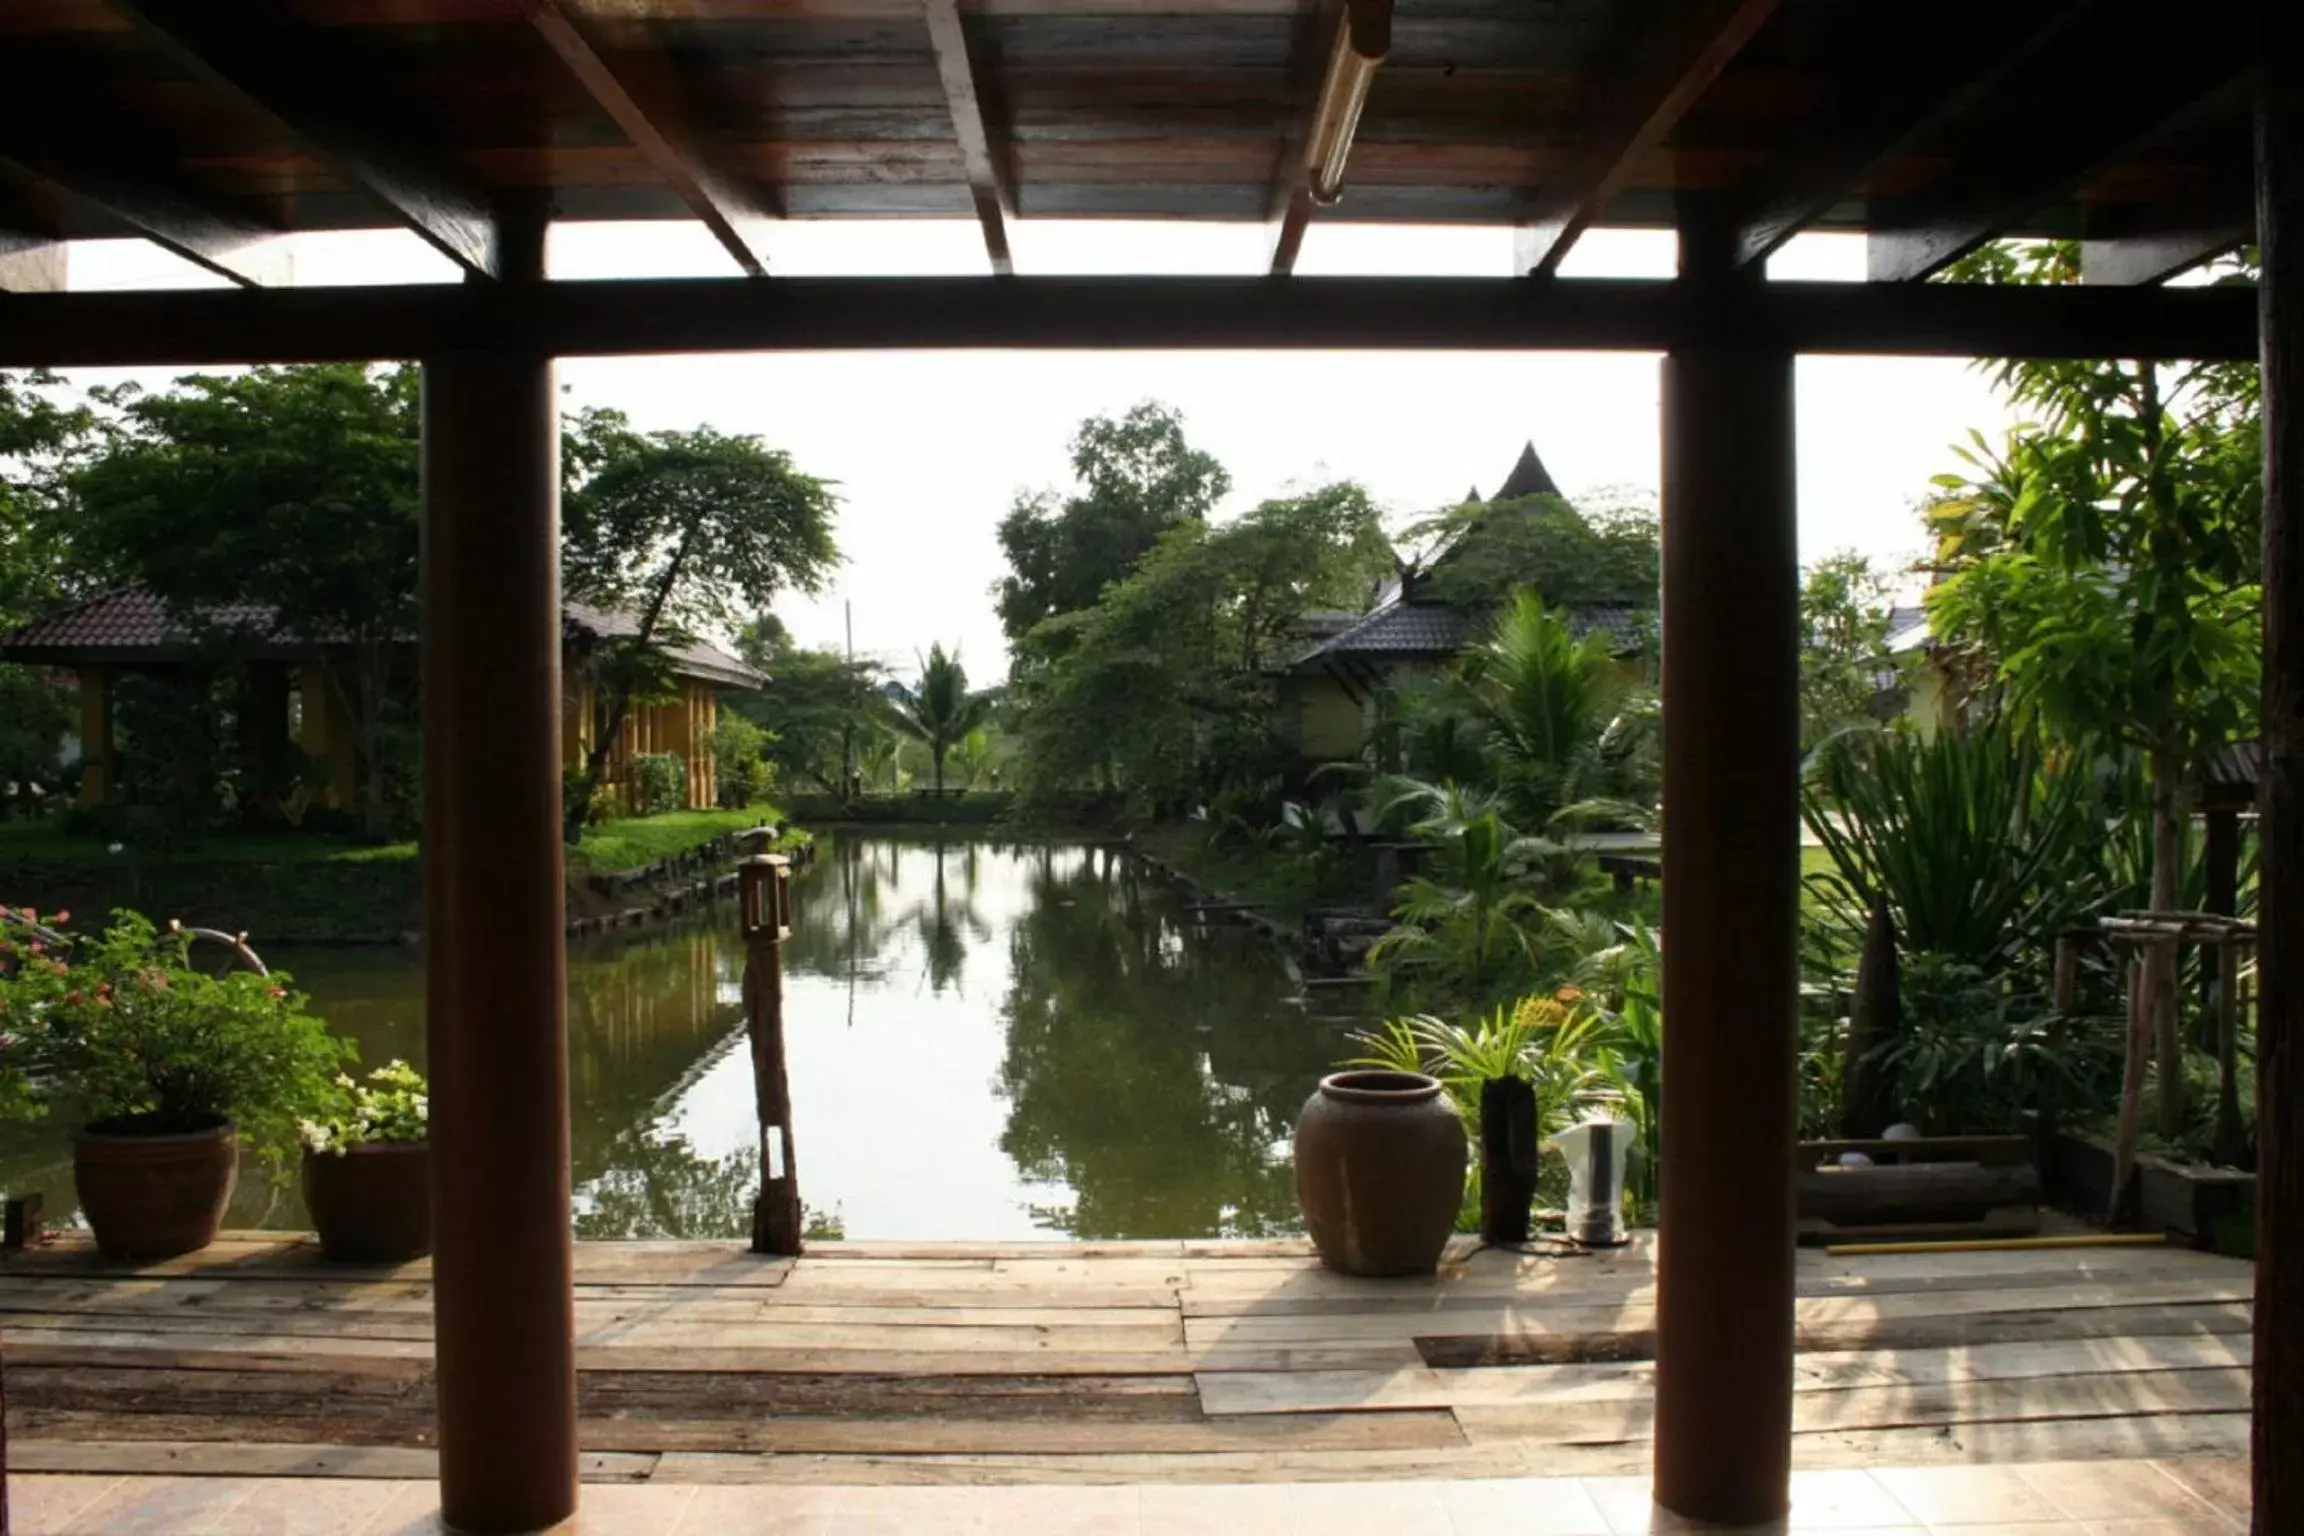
(986, 1041)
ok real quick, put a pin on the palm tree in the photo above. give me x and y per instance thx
(940, 711)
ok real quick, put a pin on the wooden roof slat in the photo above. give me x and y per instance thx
(285, 76)
(1688, 50)
(988, 187)
(648, 112)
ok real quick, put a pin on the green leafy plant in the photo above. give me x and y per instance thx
(121, 1027)
(740, 762)
(659, 783)
(940, 712)
(392, 1104)
(1980, 849)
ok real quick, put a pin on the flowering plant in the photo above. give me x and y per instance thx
(390, 1106)
(124, 1031)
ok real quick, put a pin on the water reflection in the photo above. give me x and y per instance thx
(986, 1041)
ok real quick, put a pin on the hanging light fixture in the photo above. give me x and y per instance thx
(1363, 38)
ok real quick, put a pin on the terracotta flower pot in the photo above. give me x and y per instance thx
(1380, 1172)
(371, 1204)
(152, 1193)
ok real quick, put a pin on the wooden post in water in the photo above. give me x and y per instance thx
(764, 887)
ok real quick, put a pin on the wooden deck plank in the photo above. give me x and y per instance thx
(1179, 1361)
(1424, 1387)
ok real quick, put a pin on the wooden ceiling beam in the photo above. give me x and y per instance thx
(287, 75)
(2165, 243)
(988, 187)
(1913, 108)
(1683, 54)
(31, 253)
(148, 200)
(2087, 106)
(638, 94)
(672, 315)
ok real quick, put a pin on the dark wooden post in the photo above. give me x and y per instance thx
(495, 977)
(1731, 907)
(764, 889)
(2279, 1421)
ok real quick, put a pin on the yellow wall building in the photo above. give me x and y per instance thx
(290, 693)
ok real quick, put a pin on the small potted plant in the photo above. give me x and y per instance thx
(368, 1169)
(173, 1072)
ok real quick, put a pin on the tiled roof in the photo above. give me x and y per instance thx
(133, 620)
(133, 625)
(702, 659)
(1529, 477)
(1433, 630)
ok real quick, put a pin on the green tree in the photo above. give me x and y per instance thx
(2106, 562)
(1608, 556)
(1138, 479)
(40, 437)
(1162, 685)
(687, 531)
(275, 505)
(817, 708)
(1844, 610)
(939, 711)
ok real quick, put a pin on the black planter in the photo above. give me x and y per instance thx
(2208, 1208)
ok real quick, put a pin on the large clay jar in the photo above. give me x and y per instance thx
(371, 1204)
(1379, 1171)
(153, 1194)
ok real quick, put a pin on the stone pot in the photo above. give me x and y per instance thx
(151, 1189)
(371, 1204)
(1380, 1171)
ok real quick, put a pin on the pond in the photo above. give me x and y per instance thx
(986, 1041)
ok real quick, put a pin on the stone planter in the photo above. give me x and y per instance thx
(371, 1204)
(151, 1192)
(2204, 1206)
(1380, 1172)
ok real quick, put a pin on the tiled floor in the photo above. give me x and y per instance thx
(2181, 1498)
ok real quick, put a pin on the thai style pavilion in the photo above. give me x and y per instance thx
(1332, 690)
(290, 693)
(2158, 136)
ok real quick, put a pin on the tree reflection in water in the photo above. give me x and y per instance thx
(1154, 1067)
(990, 1041)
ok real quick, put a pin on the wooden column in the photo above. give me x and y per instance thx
(494, 967)
(95, 735)
(1731, 906)
(2279, 1420)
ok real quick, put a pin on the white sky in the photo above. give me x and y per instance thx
(929, 448)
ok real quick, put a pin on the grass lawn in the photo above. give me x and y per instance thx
(42, 842)
(615, 845)
(283, 887)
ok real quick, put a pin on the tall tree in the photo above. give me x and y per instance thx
(817, 707)
(40, 438)
(1138, 478)
(290, 490)
(1846, 670)
(939, 710)
(2106, 557)
(1161, 685)
(688, 532)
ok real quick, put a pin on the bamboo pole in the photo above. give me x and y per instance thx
(2004, 1244)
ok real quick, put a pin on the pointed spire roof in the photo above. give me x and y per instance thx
(1472, 497)
(1529, 478)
